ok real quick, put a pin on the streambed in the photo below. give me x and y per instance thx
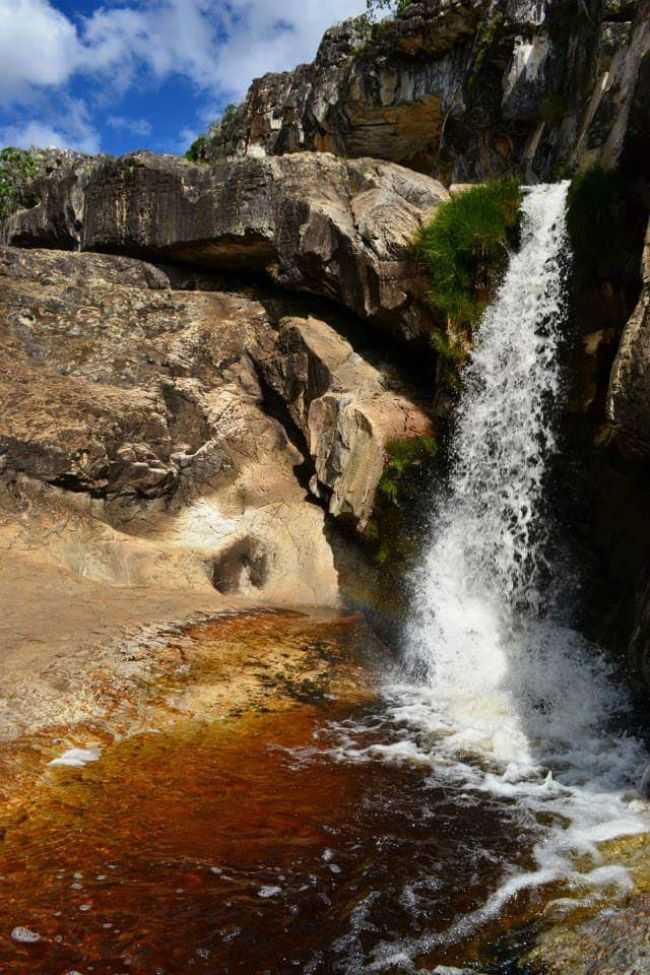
(262, 842)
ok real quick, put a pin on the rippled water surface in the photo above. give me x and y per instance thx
(268, 843)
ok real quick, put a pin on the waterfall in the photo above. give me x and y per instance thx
(478, 592)
(497, 694)
(481, 573)
(502, 674)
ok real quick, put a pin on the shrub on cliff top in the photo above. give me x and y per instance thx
(16, 167)
(467, 234)
(394, 6)
(196, 152)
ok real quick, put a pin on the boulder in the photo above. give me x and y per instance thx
(312, 222)
(346, 408)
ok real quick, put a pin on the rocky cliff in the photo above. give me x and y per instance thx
(145, 417)
(461, 89)
(342, 229)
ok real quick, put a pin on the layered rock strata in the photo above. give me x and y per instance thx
(136, 432)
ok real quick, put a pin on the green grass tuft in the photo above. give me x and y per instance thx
(468, 233)
(401, 457)
(391, 530)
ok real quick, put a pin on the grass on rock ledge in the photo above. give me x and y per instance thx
(391, 528)
(467, 238)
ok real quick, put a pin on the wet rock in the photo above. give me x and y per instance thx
(629, 391)
(312, 222)
(617, 942)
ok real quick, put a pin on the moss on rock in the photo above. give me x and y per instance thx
(391, 530)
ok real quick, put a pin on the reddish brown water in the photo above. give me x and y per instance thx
(221, 849)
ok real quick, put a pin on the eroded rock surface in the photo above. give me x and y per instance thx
(312, 222)
(136, 443)
(617, 942)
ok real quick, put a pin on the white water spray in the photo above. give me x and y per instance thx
(479, 587)
(496, 693)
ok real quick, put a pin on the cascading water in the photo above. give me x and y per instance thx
(496, 693)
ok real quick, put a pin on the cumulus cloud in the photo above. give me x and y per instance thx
(38, 47)
(218, 46)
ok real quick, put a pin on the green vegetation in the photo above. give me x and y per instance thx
(598, 227)
(196, 152)
(444, 348)
(17, 166)
(228, 114)
(468, 235)
(402, 456)
(396, 499)
(394, 6)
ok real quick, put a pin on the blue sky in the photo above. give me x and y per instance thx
(119, 75)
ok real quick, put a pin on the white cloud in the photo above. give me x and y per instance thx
(256, 46)
(219, 47)
(68, 127)
(38, 47)
(137, 126)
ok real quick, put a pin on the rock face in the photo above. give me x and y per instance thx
(312, 222)
(345, 409)
(628, 409)
(115, 385)
(629, 391)
(463, 89)
(138, 414)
